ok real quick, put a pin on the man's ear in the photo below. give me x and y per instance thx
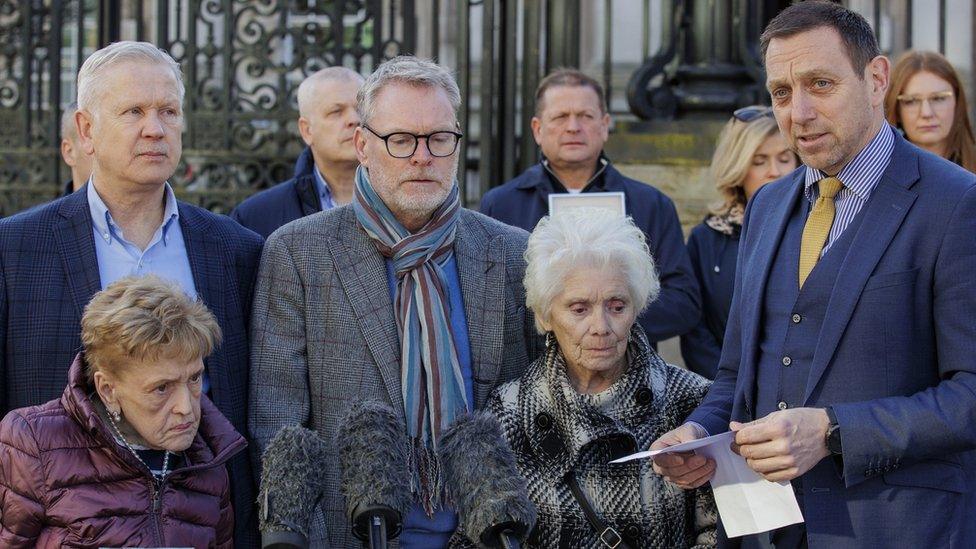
(536, 130)
(879, 71)
(359, 138)
(67, 150)
(305, 130)
(84, 123)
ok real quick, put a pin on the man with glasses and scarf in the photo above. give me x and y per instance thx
(335, 317)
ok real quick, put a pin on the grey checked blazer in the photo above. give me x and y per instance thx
(325, 336)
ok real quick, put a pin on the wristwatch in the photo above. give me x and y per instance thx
(833, 433)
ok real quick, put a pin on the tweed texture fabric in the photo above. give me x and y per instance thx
(554, 430)
(325, 336)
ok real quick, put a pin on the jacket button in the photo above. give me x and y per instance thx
(787, 361)
(643, 396)
(543, 421)
(633, 532)
(782, 405)
(796, 318)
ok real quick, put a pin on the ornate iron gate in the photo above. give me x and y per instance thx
(242, 63)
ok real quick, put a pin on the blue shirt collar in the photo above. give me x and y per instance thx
(325, 193)
(106, 227)
(862, 173)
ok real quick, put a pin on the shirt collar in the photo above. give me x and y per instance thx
(601, 166)
(107, 228)
(325, 193)
(862, 173)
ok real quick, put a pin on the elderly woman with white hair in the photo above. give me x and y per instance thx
(600, 392)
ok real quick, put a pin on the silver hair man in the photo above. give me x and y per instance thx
(409, 70)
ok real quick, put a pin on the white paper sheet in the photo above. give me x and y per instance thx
(747, 503)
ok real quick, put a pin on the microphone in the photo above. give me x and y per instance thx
(292, 481)
(481, 479)
(372, 446)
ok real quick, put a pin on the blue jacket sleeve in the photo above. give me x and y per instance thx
(939, 420)
(678, 307)
(699, 347)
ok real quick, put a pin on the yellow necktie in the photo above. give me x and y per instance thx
(818, 226)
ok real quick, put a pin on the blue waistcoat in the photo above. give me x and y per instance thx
(792, 318)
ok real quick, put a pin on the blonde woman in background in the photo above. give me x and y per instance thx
(750, 153)
(927, 102)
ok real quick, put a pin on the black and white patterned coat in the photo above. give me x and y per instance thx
(553, 430)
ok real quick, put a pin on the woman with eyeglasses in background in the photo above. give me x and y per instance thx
(750, 152)
(927, 102)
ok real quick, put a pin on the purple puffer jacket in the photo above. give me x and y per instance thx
(65, 482)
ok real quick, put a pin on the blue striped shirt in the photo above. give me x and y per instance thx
(860, 176)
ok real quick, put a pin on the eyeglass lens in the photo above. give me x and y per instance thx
(936, 100)
(404, 145)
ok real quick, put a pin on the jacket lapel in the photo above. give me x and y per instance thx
(883, 215)
(205, 254)
(308, 195)
(363, 276)
(76, 243)
(755, 272)
(481, 269)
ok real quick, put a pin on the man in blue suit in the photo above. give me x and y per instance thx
(849, 362)
(125, 221)
(571, 125)
(325, 170)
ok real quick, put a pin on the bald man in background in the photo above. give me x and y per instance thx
(325, 171)
(72, 152)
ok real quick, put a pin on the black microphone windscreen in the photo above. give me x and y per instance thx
(372, 446)
(481, 478)
(292, 480)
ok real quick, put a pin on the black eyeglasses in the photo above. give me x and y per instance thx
(404, 144)
(748, 114)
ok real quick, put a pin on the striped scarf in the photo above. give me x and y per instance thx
(430, 371)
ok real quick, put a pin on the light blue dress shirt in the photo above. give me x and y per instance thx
(325, 193)
(165, 256)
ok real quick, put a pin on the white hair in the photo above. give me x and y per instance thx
(590, 237)
(406, 69)
(307, 95)
(91, 77)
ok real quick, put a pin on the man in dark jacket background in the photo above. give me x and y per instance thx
(325, 170)
(571, 125)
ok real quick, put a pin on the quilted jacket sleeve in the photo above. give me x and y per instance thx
(225, 528)
(22, 498)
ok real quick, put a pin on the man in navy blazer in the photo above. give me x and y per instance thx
(125, 221)
(571, 125)
(325, 170)
(854, 377)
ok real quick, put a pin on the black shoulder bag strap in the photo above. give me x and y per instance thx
(608, 535)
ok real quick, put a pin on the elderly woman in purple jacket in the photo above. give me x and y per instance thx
(132, 454)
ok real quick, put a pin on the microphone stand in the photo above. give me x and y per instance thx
(377, 532)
